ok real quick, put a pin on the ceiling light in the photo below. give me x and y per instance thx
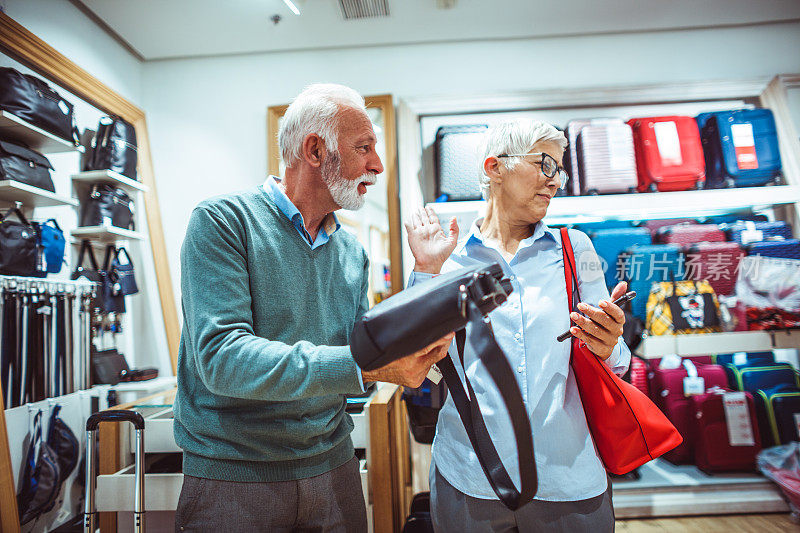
(291, 6)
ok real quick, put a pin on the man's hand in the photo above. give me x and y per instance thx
(600, 328)
(410, 371)
(429, 243)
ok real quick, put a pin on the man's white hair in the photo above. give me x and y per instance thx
(314, 111)
(516, 137)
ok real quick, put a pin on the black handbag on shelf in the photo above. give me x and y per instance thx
(93, 274)
(20, 254)
(121, 274)
(113, 148)
(113, 296)
(108, 206)
(34, 101)
(419, 315)
(110, 367)
(25, 166)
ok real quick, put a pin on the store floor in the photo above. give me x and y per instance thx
(764, 523)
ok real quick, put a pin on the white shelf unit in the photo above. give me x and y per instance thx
(29, 196)
(13, 127)
(106, 234)
(130, 186)
(655, 346)
(640, 206)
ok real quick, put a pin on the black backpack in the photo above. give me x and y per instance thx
(113, 148)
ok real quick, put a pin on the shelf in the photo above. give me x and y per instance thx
(639, 206)
(14, 191)
(665, 489)
(109, 176)
(654, 346)
(106, 234)
(13, 127)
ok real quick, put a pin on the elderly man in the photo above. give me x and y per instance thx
(522, 170)
(271, 290)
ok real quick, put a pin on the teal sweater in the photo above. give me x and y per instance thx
(263, 364)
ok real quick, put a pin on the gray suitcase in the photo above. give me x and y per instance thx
(574, 128)
(606, 159)
(458, 150)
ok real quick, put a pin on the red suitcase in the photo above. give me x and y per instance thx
(717, 262)
(667, 388)
(687, 234)
(719, 448)
(655, 225)
(669, 154)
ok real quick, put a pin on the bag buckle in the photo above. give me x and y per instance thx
(484, 290)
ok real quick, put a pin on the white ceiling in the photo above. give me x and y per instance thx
(159, 29)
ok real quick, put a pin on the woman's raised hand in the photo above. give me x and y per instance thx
(429, 243)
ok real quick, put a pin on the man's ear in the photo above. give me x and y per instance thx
(312, 149)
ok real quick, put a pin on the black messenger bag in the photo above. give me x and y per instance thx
(108, 206)
(419, 315)
(19, 251)
(25, 166)
(113, 148)
(32, 100)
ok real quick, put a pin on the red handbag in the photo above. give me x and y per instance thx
(627, 428)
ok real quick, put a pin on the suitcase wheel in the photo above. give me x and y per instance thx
(633, 190)
(653, 187)
(592, 192)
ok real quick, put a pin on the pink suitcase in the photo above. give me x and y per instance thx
(669, 154)
(606, 159)
(717, 262)
(687, 234)
(713, 450)
(573, 129)
(655, 225)
(667, 389)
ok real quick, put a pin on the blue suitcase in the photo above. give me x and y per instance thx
(609, 243)
(589, 227)
(776, 408)
(732, 219)
(740, 148)
(751, 358)
(752, 378)
(769, 230)
(785, 249)
(645, 264)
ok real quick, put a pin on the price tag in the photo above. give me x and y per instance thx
(740, 358)
(693, 385)
(737, 417)
(745, 146)
(669, 144)
(434, 374)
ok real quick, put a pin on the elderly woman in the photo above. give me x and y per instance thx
(522, 170)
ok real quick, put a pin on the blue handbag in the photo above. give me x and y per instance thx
(51, 239)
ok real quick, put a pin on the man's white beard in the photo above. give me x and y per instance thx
(344, 191)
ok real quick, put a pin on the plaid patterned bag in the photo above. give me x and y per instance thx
(681, 307)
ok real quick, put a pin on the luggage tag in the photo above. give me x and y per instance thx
(668, 143)
(751, 234)
(740, 358)
(692, 384)
(434, 374)
(744, 145)
(619, 141)
(737, 418)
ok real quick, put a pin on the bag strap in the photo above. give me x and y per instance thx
(111, 253)
(20, 215)
(86, 248)
(123, 250)
(570, 276)
(492, 357)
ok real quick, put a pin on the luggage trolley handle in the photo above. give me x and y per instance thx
(90, 510)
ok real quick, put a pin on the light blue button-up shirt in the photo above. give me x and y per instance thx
(330, 224)
(526, 327)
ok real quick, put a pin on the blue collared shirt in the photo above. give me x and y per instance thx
(330, 224)
(526, 327)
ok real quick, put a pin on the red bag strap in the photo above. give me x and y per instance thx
(570, 272)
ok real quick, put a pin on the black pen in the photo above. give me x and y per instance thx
(627, 297)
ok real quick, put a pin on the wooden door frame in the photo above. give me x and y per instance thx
(21, 45)
(385, 103)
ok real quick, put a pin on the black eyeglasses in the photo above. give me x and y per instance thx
(548, 165)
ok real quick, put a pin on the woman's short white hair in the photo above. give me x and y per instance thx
(516, 137)
(314, 111)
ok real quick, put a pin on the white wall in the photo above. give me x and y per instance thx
(207, 116)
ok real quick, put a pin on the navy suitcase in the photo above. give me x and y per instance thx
(776, 408)
(457, 161)
(768, 230)
(741, 148)
(609, 243)
(752, 378)
(750, 358)
(785, 249)
(643, 264)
